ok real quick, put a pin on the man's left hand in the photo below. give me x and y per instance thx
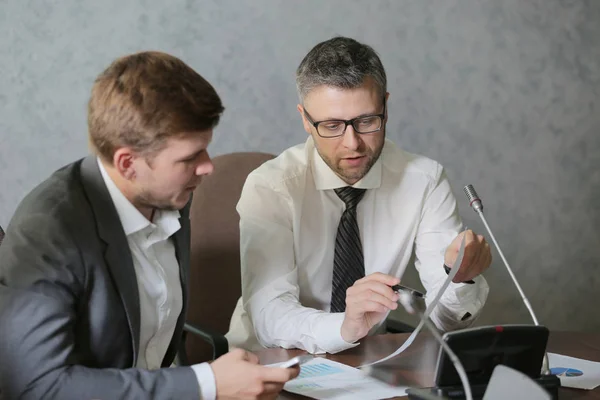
(477, 257)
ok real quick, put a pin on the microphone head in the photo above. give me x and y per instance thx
(474, 200)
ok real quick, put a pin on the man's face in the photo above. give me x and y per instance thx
(167, 180)
(352, 154)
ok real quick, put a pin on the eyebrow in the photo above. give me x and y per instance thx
(342, 119)
(191, 156)
(195, 154)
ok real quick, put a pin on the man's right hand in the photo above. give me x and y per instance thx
(367, 303)
(238, 376)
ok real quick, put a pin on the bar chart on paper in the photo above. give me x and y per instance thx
(320, 369)
(321, 378)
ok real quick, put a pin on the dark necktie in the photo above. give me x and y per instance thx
(348, 261)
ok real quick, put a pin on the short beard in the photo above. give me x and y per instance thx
(144, 199)
(358, 175)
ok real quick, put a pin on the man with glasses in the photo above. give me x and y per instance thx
(329, 226)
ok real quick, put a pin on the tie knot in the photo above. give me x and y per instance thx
(350, 196)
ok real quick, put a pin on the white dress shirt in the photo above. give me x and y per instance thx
(289, 215)
(158, 282)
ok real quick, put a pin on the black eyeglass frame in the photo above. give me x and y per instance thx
(347, 122)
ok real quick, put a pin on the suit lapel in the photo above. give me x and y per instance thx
(181, 240)
(182, 251)
(117, 254)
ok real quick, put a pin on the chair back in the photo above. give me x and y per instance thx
(215, 280)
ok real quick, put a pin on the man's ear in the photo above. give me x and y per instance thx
(123, 161)
(307, 125)
(387, 97)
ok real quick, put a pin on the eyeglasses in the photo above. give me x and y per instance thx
(337, 127)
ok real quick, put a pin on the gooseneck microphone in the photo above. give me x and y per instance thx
(477, 205)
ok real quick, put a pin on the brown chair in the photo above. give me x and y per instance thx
(214, 281)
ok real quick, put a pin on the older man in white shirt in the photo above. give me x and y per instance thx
(330, 225)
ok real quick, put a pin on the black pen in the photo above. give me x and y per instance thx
(414, 292)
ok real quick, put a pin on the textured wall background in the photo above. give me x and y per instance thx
(505, 93)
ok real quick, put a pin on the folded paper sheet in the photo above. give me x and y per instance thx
(429, 309)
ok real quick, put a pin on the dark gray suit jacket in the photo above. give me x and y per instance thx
(69, 303)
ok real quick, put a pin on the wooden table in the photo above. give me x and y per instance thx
(415, 367)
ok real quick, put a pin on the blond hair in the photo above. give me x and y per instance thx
(142, 99)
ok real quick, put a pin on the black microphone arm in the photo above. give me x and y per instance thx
(477, 205)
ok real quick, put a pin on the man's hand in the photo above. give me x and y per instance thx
(477, 258)
(238, 376)
(367, 303)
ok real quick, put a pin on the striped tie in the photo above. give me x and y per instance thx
(348, 261)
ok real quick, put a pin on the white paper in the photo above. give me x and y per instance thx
(429, 309)
(507, 383)
(575, 372)
(321, 378)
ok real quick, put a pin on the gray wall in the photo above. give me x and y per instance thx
(505, 93)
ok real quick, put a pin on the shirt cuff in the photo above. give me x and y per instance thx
(461, 304)
(328, 333)
(206, 381)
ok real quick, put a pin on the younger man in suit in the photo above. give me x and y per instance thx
(93, 270)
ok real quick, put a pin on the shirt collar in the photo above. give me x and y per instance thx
(326, 179)
(131, 218)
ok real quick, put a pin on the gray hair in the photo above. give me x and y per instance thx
(342, 63)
